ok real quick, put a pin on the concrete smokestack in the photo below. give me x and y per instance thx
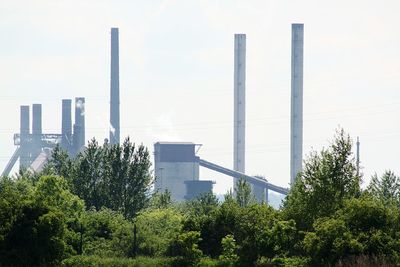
(24, 159)
(239, 103)
(296, 118)
(36, 129)
(36, 119)
(114, 89)
(79, 127)
(66, 125)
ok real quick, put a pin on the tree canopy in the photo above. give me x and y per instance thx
(114, 176)
(98, 210)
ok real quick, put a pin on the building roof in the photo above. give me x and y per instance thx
(175, 143)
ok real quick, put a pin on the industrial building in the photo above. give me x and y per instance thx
(176, 164)
(196, 188)
(34, 147)
(176, 168)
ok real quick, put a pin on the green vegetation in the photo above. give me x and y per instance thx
(97, 210)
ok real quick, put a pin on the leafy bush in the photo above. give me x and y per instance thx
(229, 256)
(186, 250)
(98, 261)
(106, 233)
(156, 229)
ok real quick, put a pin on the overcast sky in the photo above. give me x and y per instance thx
(176, 74)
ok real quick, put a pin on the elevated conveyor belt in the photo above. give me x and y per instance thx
(38, 164)
(252, 179)
(11, 163)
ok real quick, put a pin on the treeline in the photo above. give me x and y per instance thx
(98, 210)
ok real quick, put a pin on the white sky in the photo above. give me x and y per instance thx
(176, 74)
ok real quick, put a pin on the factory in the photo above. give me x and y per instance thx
(34, 147)
(176, 164)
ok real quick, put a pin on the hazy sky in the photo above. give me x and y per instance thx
(176, 74)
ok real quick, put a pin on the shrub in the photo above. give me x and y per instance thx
(98, 261)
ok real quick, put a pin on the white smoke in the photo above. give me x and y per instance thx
(111, 128)
(163, 129)
(80, 105)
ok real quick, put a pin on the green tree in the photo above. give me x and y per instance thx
(113, 176)
(213, 222)
(161, 200)
(106, 233)
(243, 194)
(88, 176)
(59, 164)
(34, 231)
(386, 188)
(35, 239)
(203, 204)
(328, 178)
(157, 228)
(13, 195)
(229, 255)
(253, 233)
(53, 192)
(186, 248)
(362, 226)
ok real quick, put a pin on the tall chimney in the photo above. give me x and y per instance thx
(36, 130)
(358, 156)
(24, 159)
(36, 119)
(79, 127)
(114, 89)
(296, 118)
(239, 103)
(66, 125)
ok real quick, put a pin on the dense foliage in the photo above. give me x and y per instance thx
(97, 210)
(112, 176)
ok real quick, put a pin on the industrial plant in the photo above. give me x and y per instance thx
(34, 147)
(176, 164)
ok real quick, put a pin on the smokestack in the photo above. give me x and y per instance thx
(296, 118)
(66, 125)
(24, 123)
(114, 89)
(239, 103)
(36, 129)
(24, 159)
(358, 156)
(37, 120)
(79, 127)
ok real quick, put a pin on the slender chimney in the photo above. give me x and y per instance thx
(239, 103)
(66, 125)
(79, 127)
(114, 89)
(358, 156)
(36, 130)
(24, 159)
(296, 118)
